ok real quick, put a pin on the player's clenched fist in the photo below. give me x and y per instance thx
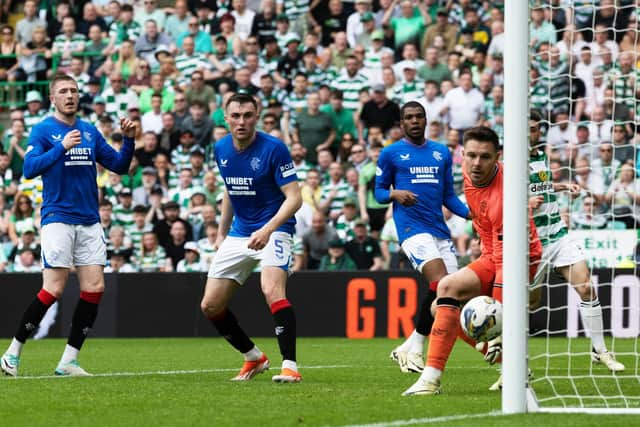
(71, 139)
(404, 197)
(128, 128)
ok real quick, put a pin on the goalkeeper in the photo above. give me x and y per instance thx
(559, 250)
(483, 176)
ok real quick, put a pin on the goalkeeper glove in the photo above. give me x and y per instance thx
(494, 350)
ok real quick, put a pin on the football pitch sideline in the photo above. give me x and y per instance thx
(177, 382)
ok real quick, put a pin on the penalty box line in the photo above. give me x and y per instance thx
(172, 372)
(428, 420)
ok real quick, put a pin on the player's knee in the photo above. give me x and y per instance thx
(272, 292)
(447, 288)
(210, 309)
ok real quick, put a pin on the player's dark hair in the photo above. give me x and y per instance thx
(482, 134)
(242, 98)
(412, 104)
(60, 77)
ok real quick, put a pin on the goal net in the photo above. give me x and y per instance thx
(584, 84)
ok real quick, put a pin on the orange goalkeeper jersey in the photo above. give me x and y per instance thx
(486, 204)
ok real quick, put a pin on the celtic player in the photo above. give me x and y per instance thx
(559, 250)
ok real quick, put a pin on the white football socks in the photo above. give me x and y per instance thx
(591, 313)
(70, 353)
(431, 374)
(15, 347)
(417, 342)
(253, 354)
(290, 364)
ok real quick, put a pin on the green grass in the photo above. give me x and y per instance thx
(346, 382)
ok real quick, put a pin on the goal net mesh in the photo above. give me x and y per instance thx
(584, 83)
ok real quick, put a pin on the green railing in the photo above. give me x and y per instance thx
(12, 94)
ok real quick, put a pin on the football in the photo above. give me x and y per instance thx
(481, 318)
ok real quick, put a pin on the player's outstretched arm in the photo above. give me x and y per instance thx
(384, 179)
(451, 199)
(290, 205)
(38, 160)
(117, 161)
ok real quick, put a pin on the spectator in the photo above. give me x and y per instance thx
(351, 84)
(364, 249)
(118, 97)
(465, 105)
(243, 19)
(149, 12)
(142, 194)
(201, 39)
(9, 183)
(624, 197)
(623, 149)
(588, 180)
(313, 128)
(23, 217)
(152, 257)
(162, 226)
(68, 43)
(199, 123)
(105, 211)
(207, 245)
(347, 219)
(433, 69)
(157, 86)
(316, 240)
(442, 28)
(341, 118)
(587, 218)
(150, 42)
(123, 211)
(336, 259)
(175, 247)
(9, 64)
(371, 212)
(191, 262)
(540, 30)
(312, 190)
(35, 56)
(334, 192)
(409, 26)
(90, 18)
(152, 119)
(15, 146)
(118, 262)
(181, 110)
(25, 26)
(379, 111)
(264, 22)
(178, 22)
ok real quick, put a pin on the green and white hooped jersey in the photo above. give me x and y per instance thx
(547, 216)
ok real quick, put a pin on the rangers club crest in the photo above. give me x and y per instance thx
(255, 163)
(437, 156)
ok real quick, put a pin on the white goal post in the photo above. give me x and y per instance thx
(517, 394)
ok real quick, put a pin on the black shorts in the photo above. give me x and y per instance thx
(377, 218)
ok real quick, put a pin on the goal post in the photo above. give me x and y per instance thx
(558, 343)
(515, 223)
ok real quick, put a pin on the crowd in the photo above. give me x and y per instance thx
(330, 77)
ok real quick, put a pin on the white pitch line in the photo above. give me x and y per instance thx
(442, 419)
(176, 372)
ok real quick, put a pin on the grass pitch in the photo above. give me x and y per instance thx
(175, 382)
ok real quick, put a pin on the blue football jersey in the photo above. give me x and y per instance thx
(253, 178)
(70, 190)
(426, 171)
